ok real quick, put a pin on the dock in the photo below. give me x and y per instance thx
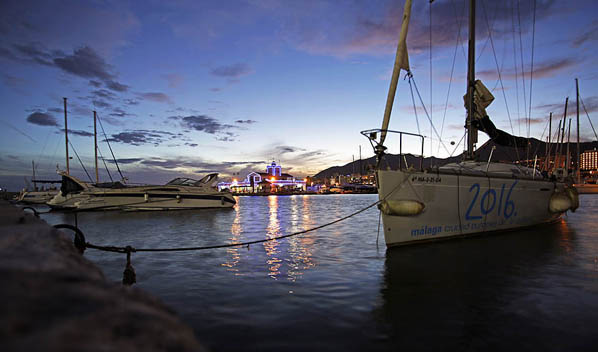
(54, 299)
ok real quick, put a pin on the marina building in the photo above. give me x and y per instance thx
(271, 181)
(589, 160)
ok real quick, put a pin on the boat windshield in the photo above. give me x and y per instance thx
(181, 181)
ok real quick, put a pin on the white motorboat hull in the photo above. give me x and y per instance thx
(59, 202)
(36, 197)
(130, 200)
(455, 204)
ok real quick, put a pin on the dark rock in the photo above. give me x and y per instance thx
(53, 299)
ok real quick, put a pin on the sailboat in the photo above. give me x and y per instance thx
(180, 193)
(36, 196)
(468, 197)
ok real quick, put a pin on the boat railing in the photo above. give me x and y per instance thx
(373, 136)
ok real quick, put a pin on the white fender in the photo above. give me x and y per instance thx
(573, 196)
(559, 202)
(401, 207)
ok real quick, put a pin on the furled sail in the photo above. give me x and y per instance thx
(482, 98)
(401, 62)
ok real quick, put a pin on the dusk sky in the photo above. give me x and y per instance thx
(191, 87)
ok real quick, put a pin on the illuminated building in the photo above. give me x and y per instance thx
(589, 160)
(271, 181)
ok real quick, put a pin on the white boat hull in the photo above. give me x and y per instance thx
(456, 205)
(154, 201)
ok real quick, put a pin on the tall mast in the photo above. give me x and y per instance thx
(568, 139)
(33, 180)
(548, 146)
(95, 144)
(66, 139)
(578, 150)
(556, 147)
(472, 133)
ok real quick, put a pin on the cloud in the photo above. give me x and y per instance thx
(155, 96)
(544, 69)
(174, 79)
(101, 103)
(234, 71)
(374, 30)
(42, 119)
(118, 112)
(13, 81)
(532, 121)
(80, 133)
(207, 124)
(126, 160)
(141, 137)
(86, 63)
(34, 52)
(590, 34)
(590, 104)
(282, 149)
(246, 122)
(103, 93)
(115, 86)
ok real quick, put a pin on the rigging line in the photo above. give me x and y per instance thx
(458, 20)
(54, 154)
(541, 138)
(431, 101)
(105, 166)
(414, 107)
(500, 76)
(588, 115)
(80, 162)
(531, 80)
(428, 116)
(531, 72)
(177, 249)
(521, 55)
(458, 144)
(515, 65)
(109, 147)
(459, 25)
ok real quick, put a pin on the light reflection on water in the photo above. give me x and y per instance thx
(534, 289)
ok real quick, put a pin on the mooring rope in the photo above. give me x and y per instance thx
(129, 277)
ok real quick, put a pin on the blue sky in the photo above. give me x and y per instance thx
(189, 87)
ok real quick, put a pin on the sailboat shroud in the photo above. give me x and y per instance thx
(465, 198)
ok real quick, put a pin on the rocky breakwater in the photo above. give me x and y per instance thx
(53, 299)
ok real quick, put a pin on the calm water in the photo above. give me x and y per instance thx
(335, 289)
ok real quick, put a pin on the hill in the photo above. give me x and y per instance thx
(501, 153)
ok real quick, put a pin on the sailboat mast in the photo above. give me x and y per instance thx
(548, 146)
(66, 139)
(568, 140)
(95, 144)
(33, 180)
(401, 62)
(578, 150)
(472, 133)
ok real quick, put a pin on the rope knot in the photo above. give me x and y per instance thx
(129, 276)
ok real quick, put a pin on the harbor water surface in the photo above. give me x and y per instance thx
(340, 289)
